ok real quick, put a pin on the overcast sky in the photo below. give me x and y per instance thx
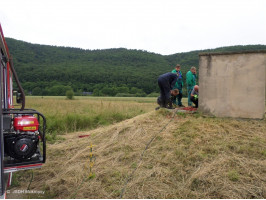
(160, 26)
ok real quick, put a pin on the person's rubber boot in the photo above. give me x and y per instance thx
(169, 104)
(159, 102)
(164, 104)
(157, 108)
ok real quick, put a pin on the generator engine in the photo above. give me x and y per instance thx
(22, 139)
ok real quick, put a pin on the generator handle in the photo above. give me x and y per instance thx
(18, 83)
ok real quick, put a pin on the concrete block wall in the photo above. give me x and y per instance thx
(233, 84)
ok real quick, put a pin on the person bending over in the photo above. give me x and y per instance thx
(174, 93)
(166, 83)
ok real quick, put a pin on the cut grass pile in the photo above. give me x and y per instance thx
(194, 157)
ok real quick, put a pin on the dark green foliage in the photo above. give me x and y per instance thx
(58, 90)
(37, 91)
(50, 70)
(124, 95)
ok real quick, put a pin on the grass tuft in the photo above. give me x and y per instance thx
(233, 175)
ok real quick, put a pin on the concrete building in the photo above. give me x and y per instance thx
(233, 84)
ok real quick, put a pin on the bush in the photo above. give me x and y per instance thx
(70, 94)
(154, 94)
(143, 94)
(37, 91)
(58, 90)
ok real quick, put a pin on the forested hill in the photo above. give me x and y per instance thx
(50, 70)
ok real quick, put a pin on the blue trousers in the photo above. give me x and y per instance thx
(164, 92)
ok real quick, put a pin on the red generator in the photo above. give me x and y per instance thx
(22, 131)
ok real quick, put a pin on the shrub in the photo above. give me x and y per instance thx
(154, 94)
(37, 91)
(70, 94)
(143, 94)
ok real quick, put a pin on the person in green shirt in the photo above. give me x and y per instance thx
(191, 82)
(178, 85)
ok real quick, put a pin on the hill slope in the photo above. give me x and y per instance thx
(48, 70)
(194, 157)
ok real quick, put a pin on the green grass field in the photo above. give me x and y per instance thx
(85, 113)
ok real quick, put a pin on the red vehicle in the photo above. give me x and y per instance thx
(22, 131)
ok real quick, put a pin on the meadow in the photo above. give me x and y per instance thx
(190, 156)
(85, 113)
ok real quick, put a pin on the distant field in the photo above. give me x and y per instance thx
(85, 113)
(137, 99)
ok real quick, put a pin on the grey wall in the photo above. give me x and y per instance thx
(233, 84)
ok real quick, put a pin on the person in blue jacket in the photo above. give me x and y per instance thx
(166, 83)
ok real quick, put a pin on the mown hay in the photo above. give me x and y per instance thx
(194, 157)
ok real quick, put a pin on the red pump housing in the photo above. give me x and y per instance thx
(26, 123)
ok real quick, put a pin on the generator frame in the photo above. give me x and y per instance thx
(7, 111)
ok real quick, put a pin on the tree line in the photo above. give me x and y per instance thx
(51, 70)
